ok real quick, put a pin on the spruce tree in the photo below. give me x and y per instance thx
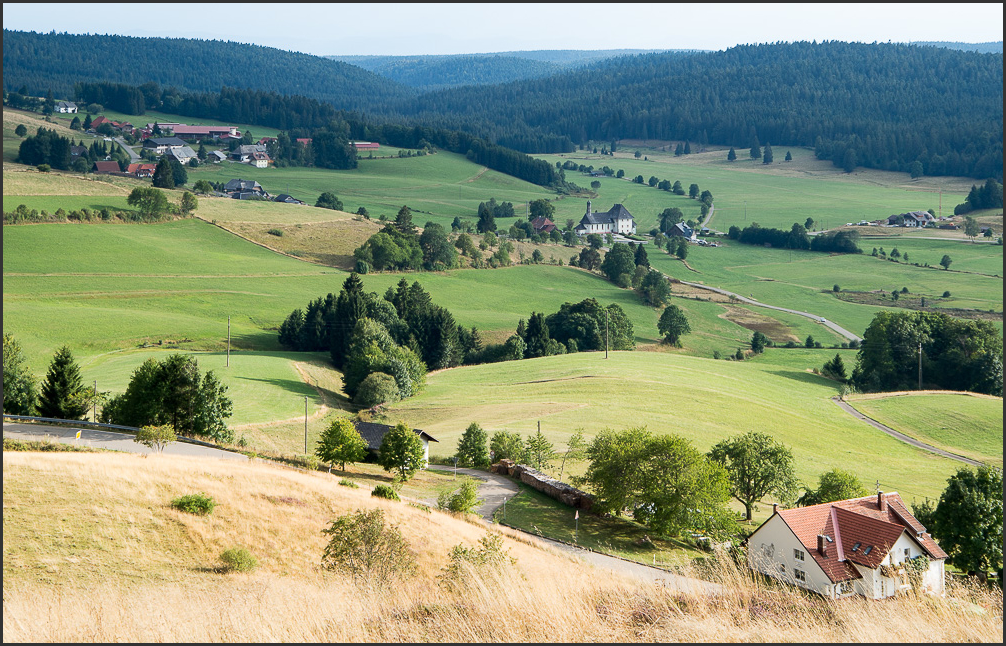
(767, 155)
(63, 394)
(164, 174)
(732, 155)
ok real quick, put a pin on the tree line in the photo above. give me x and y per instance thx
(845, 241)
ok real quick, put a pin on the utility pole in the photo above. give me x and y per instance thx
(94, 403)
(228, 342)
(605, 334)
(920, 366)
(305, 424)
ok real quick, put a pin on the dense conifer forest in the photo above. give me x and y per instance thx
(875, 105)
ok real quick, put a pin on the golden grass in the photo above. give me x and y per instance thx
(93, 552)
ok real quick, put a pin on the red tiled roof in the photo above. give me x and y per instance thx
(859, 520)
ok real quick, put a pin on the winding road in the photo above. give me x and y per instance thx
(100, 439)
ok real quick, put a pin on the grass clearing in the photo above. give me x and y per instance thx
(965, 424)
(703, 400)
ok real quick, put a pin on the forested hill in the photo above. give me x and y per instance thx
(983, 48)
(54, 61)
(875, 105)
(430, 72)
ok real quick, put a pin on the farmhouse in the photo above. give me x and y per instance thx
(682, 230)
(542, 225)
(105, 167)
(615, 220)
(183, 154)
(246, 154)
(911, 219)
(373, 434)
(141, 170)
(287, 199)
(203, 132)
(160, 145)
(871, 546)
(365, 145)
(244, 187)
(66, 107)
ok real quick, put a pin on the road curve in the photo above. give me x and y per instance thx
(901, 436)
(495, 488)
(113, 441)
(750, 301)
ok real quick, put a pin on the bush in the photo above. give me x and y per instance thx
(349, 483)
(238, 560)
(490, 555)
(362, 546)
(275, 232)
(44, 168)
(463, 501)
(199, 504)
(385, 491)
(377, 388)
(946, 294)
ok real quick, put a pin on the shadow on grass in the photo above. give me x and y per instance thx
(291, 385)
(266, 340)
(805, 377)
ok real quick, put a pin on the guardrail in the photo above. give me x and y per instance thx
(96, 425)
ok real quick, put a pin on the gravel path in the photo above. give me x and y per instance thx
(108, 440)
(901, 436)
(494, 488)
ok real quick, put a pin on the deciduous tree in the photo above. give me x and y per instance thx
(402, 452)
(340, 443)
(473, 447)
(757, 466)
(968, 520)
(673, 324)
(19, 384)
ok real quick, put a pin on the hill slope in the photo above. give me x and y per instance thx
(106, 559)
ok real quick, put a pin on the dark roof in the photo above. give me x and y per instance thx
(242, 184)
(106, 167)
(283, 197)
(374, 434)
(616, 212)
(164, 141)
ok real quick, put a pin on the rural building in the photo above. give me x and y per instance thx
(161, 145)
(77, 151)
(260, 160)
(183, 154)
(287, 199)
(217, 156)
(105, 167)
(543, 225)
(866, 546)
(202, 132)
(373, 434)
(244, 153)
(364, 145)
(66, 107)
(141, 170)
(615, 220)
(305, 141)
(682, 230)
(911, 219)
(237, 187)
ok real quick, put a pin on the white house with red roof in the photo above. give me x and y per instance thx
(868, 546)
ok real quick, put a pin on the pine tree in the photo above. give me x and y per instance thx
(732, 155)
(164, 174)
(63, 394)
(767, 155)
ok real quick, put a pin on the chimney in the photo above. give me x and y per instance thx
(822, 545)
(881, 501)
(775, 508)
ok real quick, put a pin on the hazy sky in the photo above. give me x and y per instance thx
(472, 28)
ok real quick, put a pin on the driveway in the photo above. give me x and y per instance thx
(494, 488)
(133, 157)
(109, 440)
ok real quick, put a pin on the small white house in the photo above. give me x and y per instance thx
(66, 107)
(869, 546)
(373, 434)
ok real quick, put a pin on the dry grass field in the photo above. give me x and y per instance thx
(93, 552)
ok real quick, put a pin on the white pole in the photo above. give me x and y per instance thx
(305, 425)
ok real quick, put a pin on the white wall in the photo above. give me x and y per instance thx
(770, 551)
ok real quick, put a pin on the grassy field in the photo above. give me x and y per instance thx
(747, 191)
(703, 400)
(968, 425)
(104, 558)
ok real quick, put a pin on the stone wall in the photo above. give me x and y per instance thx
(548, 485)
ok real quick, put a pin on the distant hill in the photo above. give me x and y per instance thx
(428, 73)
(44, 62)
(981, 48)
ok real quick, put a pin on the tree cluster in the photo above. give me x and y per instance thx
(957, 354)
(989, 196)
(173, 392)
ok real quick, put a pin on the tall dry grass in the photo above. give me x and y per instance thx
(277, 514)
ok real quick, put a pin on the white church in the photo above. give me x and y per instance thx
(615, 220)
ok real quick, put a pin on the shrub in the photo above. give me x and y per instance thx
(349, 483)
(199, 504)
(946, 294)
(377, 388)
(489, 556)
(44, 168)
(155, 437)
(238, 560)
(463, 501)
(836, 288)
(275, 232)
(362, 546)
(385, 491)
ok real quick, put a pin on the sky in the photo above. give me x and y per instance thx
(404, 29)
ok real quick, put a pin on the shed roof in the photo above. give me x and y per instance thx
(374, 433)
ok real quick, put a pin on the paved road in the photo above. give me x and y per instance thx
(113, 441)
(133, 157)
(901, 436)
(750, 301)
(495, 488)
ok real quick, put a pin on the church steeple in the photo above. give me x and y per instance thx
(588, 207)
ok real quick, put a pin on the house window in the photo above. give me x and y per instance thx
(908, 553)
(799, 575)
(798, 555)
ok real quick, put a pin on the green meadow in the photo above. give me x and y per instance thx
(703, 400)
(971, 426)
